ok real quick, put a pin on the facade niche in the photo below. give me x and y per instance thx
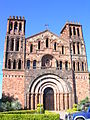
(74, 65)
(74, 48)
(60, 65)
(62, 49)
(12, 45)
(78, 67)
(19, 64)
(34, 64)
(78, 32)
(28, 64)
(15, 26)
(82, 66)
(17, 44)
(55, 46)
(47, 43)
(74, 31)
(66, 65)
(14, 64)
(20, 27)
(70, 31)
(31, 48)
(9, 64)
(10, 26)
(78, 48)
(38, 45)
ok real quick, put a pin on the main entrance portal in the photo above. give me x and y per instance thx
(48, 99)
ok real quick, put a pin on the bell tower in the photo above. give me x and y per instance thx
(14, 48)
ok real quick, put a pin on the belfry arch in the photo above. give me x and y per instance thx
(61, 93)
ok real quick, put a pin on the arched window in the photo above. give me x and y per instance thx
(62, 49)
(19, 64)
(47, 43)
(60, 65)
(38, 45)
(82, 66)
(78, 32)
(20, 27)
(14, 64)
(74, 65)
(78, 48)
(34, 64)
(15, 26)
(70, 30)
(12, 44)
(31, 48)
(78, 67)
(10, 26)
(28, 64)
(66, 65)
(74, 48)
(74, 31)
(9, 64)
(55, 46)
(56, 64)
(17, 44)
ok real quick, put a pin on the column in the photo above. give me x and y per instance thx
(23, 28)
(32, 101)
(70, 101)
(61, 101)
(42, 98)
(75, 48)
(8, 26)
(80, 30)
(66, 101)
(80, 48)
(58, 101)
(36, 101)
(13, 26)
(55, 101)
(27, 100)
(72, 31)
(14, 44)
(17, 26)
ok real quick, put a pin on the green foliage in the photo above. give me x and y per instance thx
(29, 117)
(40, 108)
(20, 112)
(8, 103)
(73, 110)
(15, 105)
(82, 104)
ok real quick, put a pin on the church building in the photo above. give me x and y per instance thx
(45, 68)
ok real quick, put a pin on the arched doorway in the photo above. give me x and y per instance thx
(48, 99)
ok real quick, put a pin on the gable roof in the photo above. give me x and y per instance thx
(42, 33)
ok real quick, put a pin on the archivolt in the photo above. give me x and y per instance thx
(61, 85)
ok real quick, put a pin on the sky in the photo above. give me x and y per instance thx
(37, 13)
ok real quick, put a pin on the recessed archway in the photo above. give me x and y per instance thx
(48, 99)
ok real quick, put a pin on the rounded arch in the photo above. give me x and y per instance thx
(47, 61)
(62, 84)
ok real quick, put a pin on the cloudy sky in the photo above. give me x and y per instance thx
(40, 12)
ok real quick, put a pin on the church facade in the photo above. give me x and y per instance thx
(45, 68)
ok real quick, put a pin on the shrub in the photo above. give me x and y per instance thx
(29, 117)
(40, 108)
(15, 105)
(20, 112)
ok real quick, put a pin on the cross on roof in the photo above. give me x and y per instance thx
(46, 26)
